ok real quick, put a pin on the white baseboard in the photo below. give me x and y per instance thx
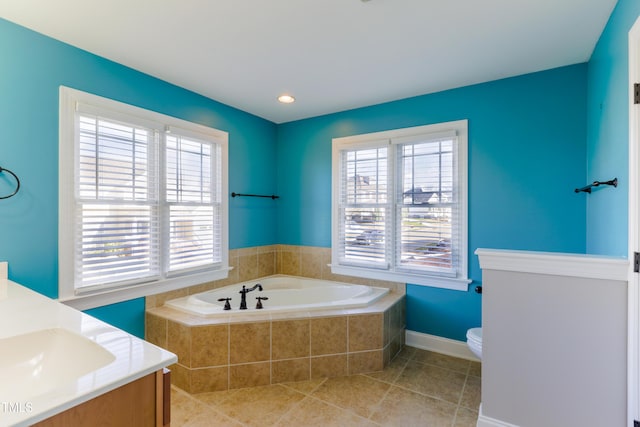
(439, 345)
(484, 421)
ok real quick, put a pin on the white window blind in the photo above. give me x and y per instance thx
(426, 208)
(193, 199)
(400, 205)
(117, 229)
(364, 206)
(147, 205)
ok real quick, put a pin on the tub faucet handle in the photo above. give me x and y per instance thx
(227, 306)
(259, 304)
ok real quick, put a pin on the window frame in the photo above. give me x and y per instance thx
(68, 169)
(394, 272)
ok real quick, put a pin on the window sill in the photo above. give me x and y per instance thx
(105, 297)
(453, 283)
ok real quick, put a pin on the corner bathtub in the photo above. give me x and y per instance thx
(285, 293)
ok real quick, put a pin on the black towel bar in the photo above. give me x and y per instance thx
(254, 195)
(587, 189)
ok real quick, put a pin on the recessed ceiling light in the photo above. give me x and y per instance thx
(286, 99)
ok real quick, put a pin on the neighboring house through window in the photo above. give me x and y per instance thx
(400, 205)
(142, 205)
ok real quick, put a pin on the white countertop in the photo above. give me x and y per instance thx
(23, 311)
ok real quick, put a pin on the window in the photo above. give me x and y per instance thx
(400, 205)
(141, 201)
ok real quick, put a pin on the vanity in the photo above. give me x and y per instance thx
(62, 367)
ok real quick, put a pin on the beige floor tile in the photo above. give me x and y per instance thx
(405, 408)
(211, 418)
(475, 369)
(471, 394)
(433, 381)
(391, 373)
(359, 394)
(216, 397)
(306, 387)
(421, 392)
(442, 360)
(260, 406)
(407, 352)
(466, 418)
(312, 412)
(187, 411)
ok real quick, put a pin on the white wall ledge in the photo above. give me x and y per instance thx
(556, 264)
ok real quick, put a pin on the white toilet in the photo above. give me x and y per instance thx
(474, 341)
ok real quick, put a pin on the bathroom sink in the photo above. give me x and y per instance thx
(35, 363)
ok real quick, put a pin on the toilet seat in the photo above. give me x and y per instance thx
(475, 335)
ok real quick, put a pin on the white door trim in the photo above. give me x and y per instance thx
(633, 348)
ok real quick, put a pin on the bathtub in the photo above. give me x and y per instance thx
(284, 293)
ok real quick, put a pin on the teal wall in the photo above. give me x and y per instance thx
(532, 139)
(32, 67)
(127, 315)
(608, 133)
(526, 155)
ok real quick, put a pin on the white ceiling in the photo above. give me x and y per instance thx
(332, 55)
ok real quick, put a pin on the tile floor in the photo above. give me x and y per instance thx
(419, 388)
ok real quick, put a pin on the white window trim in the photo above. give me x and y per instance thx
(461, 282)
(66, 291)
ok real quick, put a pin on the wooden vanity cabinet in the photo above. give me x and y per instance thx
(144, 402)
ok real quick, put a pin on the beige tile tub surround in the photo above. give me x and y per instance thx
(219, 354)
(265, 349)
